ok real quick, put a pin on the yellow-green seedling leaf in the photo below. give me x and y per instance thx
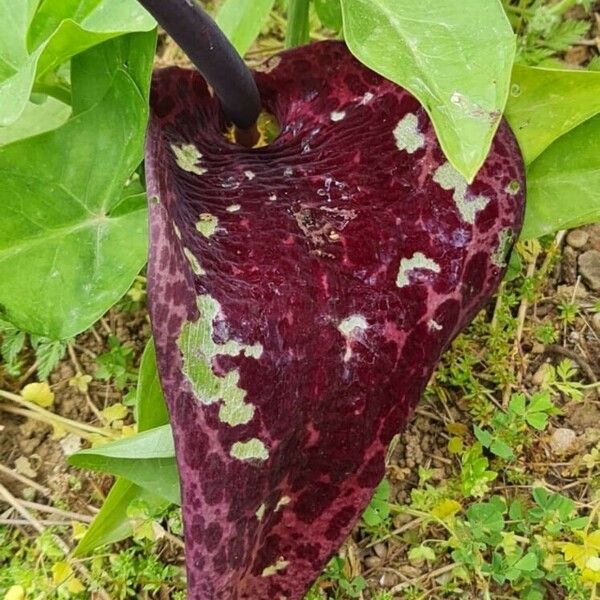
(15, 592)
(62, 575)
(38, 393)
(75, 586)
(439, 51)
(579, 554)
(78, 530)
(129, 430)
(591, 570)
(421, 553)
(80, 382)
(457, 429)
(446, 509)
(114, 412)
(455, 445)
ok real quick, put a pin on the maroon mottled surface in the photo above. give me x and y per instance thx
(326, 216)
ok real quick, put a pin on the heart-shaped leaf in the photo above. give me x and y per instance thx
(68, 248)
(301, 295)
(439, 51)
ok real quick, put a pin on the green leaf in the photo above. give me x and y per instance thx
(517, 404)
(146, 459)
(485, 437)
(421, 553)
(529, 562)
(329, 13)
(36, 119)
(537, 420)
(112, 523)
(455, 57)
(64, 257)
(378, 509)
(33, 43)
(540, 402)
(150, 401)
(501, 449)
(242, 20)
(17, 65)
(564, 183)
(544, 104)
(48, 354)
(152, 444)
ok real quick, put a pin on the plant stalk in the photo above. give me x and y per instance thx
(213, 55)
(562, 7)
(57, 91)
(298, 27)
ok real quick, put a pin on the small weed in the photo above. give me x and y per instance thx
(48, 353)
(117, 364)
(567, 312)
(546, 334)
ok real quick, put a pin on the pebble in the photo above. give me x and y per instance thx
(380, 549)
(568, 265)
(388, 580)
(570, 293)
(538, 348)
(596, 322)
(562, 440)
(589, 268)
(540, 375)
(577, 238)
(372, 561)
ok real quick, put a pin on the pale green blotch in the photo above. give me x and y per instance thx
(196, 268)
(252, 449)
(513, 187)
(260, 512)
(283, 501)
(407, 134)
(505, 238)
(349, 324)
(450, 179)
(187, 156)
(417, 261)
(207, 225)
(273, 569)
(198, 350)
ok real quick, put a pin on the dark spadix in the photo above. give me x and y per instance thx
(301, 295)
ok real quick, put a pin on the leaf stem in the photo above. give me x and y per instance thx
(562, 7)
(55, 90)
(516, 10)
(298, 28)
(213, 55)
